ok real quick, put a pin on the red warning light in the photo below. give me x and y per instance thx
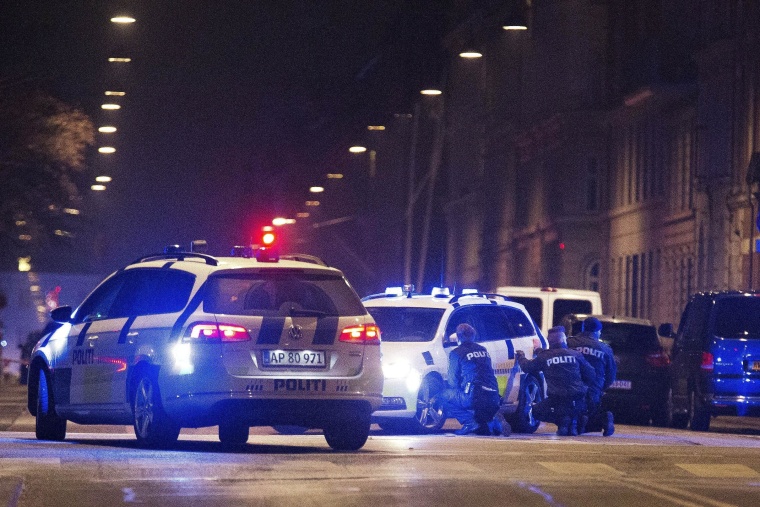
(268, 236)
(561, 246)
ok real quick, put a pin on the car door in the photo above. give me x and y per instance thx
(687, 350)
(79, 372)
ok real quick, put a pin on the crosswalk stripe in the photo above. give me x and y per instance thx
(570, 467)
(727, 470)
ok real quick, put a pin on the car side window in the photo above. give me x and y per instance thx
(502, 323)
(564, 307)
(98, 305)
(463, 315)
(534, 306)
(153, 291)
(694, 323)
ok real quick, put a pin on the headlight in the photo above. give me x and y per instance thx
(398, 369)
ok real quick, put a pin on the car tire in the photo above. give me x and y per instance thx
(289, 429)
(47, 425)
(662, 410)
(350, 430)
(233, 433)
(531, 392)
(699, 415)
(428, 418)
(153, 428)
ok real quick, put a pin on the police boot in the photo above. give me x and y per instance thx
(609, 425)
(499, 426)
(563, 427)
(468, 428)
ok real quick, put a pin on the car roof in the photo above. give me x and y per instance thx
(609, 319)
(201, 263)
(430, 301)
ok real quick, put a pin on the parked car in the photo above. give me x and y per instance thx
(547, 305)
(418, 332)
(640, 393)
(716, 358)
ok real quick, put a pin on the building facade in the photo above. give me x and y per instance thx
(607, 147)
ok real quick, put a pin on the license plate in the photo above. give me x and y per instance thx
(298, 358)
(621, 384)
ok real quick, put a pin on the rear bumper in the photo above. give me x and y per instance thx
(735, 405)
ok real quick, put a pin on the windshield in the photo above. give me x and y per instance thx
(406, 324)
(737, 317)
(282, 294)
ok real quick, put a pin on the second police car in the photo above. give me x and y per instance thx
(418, 333)
(185, 339)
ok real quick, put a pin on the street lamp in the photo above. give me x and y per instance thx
(123, 20)
(357, 149)
(470, 54)
(103, 179)
(107, 129)
(110, 107)
(316, 190)
(107, 149)
(431, 91)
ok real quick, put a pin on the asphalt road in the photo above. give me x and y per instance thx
(639, 466)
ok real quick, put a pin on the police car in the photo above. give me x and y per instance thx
(185, 339)
(419, 332)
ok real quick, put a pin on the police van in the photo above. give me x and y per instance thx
(547, 305)
(185, 339)
(418, 332)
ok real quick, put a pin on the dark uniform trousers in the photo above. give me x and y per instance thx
(479, 405)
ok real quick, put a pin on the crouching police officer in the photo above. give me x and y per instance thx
(567, 375)
(473, 396)
(600, 356)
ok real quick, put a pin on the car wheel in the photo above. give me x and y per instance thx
(350, 430)
(531, 392)
(153, 428)
(699, 415)
(289, 429)
(662, 410)
(428, 418)
(47, 425)
(233, 433)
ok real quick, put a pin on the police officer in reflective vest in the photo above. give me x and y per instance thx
(600, 356)
(473, 396)
(567, 376)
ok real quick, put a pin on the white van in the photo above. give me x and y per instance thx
(547, 305)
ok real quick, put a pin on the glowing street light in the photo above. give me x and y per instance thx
(97, 188)
(112, 93)
(470, 54)
(107, 149)
(375, 127)
(124, 20)
(312, 203)
(119, 60)
(110, 107)
(302, 214)
(107, 129)
(316, 190)
(334, 176)
(283, 221)
(430, 91)
(357, 149)
(103, 179)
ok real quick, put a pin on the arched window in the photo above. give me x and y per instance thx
(592, 276)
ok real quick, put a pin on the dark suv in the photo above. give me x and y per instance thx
(640, 392)
(716, 358)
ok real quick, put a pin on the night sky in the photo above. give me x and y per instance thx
(233, 108)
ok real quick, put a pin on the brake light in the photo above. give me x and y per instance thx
(708, 362)
(657, 359)
(368, 334)
(206, 331)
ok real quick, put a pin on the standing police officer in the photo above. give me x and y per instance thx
(473, 396)
(600, 356)
(567, 375)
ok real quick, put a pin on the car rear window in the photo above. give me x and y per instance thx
(630, 337)
(564, 307)
(282, 293)
(737, 317)
(398, 324)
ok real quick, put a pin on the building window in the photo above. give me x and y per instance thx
(593, 276)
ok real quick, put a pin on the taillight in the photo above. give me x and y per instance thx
(657, 359)
(708, 362)
(206, 331)
(363, 333)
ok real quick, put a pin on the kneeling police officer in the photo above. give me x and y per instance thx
(567, 375)
(473, 396)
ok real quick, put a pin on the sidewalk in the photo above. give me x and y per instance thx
(12, 404)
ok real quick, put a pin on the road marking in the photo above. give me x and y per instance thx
(25, 462)
(575, 468)
(719, 470)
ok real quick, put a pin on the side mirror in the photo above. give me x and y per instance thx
(62, 314)
(666, 330)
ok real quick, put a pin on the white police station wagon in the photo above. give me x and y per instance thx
(419, 332)
(185, 339)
